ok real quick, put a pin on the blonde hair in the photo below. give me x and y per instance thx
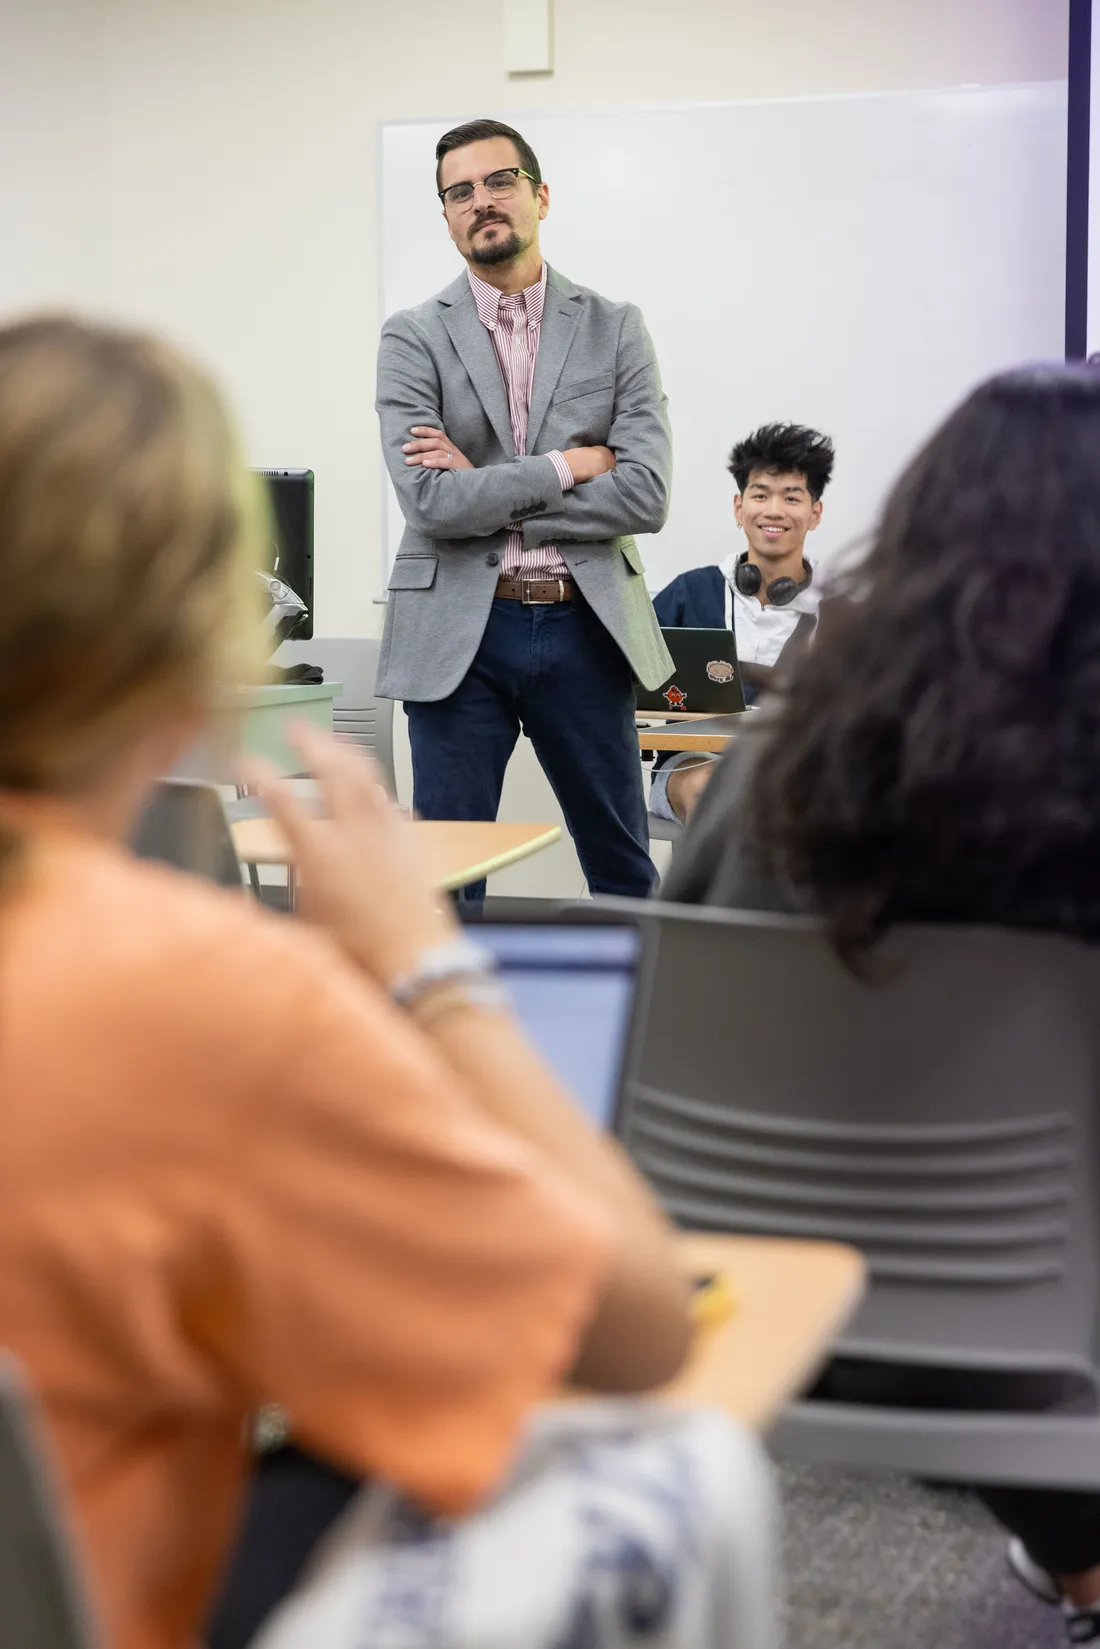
(128, 528)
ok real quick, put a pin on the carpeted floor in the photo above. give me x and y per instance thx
(876, 1562)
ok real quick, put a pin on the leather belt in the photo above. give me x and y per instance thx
(535, 592)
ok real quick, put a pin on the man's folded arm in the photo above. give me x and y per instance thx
(633, 497)
(467, 503)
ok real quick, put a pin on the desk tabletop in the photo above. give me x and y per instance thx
(457, 851)
(712, 734)
(285, 694)
(656, 718)
(792, 1300)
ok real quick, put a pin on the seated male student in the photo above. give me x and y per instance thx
(764, 593)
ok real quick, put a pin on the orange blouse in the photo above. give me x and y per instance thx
(232, 1172)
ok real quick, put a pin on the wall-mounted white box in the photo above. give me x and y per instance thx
(528, 36)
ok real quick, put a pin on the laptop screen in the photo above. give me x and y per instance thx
(573, 989)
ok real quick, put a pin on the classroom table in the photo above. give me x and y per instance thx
(792, 1299)
(657, 718)
(251, 721)
(456, 852)
(711, 733)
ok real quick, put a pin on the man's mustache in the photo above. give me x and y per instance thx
(490, 218)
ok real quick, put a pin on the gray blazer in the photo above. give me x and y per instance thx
(596, 384)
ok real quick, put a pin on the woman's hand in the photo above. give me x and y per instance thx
(360, 874)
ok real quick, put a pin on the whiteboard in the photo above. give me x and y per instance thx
(853, 263)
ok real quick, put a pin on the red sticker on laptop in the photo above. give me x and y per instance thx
(674, 697)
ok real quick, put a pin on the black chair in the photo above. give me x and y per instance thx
(42, 1599)
(184, 825)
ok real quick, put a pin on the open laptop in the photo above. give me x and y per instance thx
(574, 983)
(707, 676)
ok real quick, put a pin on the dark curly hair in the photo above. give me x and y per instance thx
(936, 756)
(784, 449)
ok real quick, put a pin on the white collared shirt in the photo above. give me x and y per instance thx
(761, 629)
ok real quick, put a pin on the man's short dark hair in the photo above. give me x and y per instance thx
(784, 449)
(476, 131)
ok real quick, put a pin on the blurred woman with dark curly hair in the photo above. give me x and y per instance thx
(936, 756)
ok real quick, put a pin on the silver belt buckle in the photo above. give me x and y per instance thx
(536, 601)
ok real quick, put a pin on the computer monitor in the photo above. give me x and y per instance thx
(574, 986)
(291, 553)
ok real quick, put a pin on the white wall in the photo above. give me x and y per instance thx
(210, 166)
(242, 170)
(53, 172)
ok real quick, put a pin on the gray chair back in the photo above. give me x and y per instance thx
(42, 1603)
(357, 716)
(185, 824)
(664, 830)
(941, 1118)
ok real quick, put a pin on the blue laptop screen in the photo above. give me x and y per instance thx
(573, 989)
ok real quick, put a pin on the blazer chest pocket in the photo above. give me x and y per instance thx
(413, 572)
(583, 386)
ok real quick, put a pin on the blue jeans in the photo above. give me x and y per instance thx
(555, 673)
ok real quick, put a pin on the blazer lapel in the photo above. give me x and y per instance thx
(474, 348)
(560, 314)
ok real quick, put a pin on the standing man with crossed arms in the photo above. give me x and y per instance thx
(526, 432)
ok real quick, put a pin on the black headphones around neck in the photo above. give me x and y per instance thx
(779, 592)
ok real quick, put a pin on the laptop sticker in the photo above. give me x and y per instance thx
(720, 670)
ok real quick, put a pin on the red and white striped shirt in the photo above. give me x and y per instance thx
(514, 324)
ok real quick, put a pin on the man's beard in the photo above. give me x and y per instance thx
(502, 250)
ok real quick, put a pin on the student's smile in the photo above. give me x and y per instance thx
(776, 512)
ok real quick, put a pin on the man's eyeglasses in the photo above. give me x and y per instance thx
(499, 184)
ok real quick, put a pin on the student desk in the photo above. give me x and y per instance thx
(658, 717)
(457, 852)
(250, 722)
(792, 1300)
(710, 733)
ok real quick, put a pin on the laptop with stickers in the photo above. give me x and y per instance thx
(707, 677)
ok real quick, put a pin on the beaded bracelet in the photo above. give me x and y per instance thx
(442, 998)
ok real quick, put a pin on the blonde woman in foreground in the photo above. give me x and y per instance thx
(233, 1169)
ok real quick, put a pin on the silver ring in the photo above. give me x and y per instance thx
(450, 455)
